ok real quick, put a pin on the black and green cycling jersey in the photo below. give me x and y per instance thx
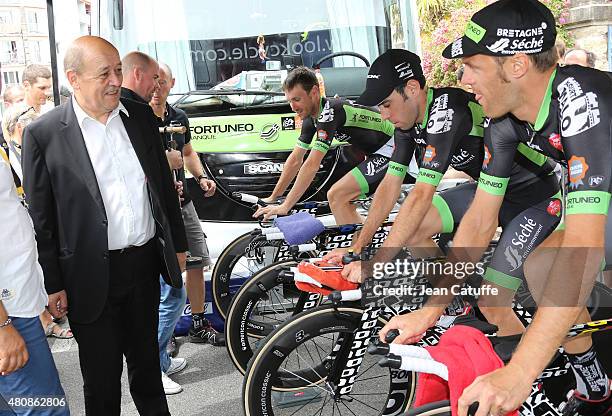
(573, 127)
(449, 135)
(345, 121)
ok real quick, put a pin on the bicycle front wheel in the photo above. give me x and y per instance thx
(303, 353)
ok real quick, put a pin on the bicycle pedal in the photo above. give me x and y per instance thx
(391, 361)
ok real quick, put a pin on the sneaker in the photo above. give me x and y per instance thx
(578, 405)
(170, 386)
(173, 347)
(207, 335)
(176, 365)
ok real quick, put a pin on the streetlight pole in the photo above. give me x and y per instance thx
(53, 52)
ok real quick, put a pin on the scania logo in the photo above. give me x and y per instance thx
(262, 168)
(269, 132)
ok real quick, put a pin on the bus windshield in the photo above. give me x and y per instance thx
(208, 42)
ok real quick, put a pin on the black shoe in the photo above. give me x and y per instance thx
(578, 405)
(207, 335)
(173, 347)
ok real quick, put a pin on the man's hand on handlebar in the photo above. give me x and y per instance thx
(335, 256)
(270, 211)
(353, 273)
(269, 200)
(497, 393)
(413, 325)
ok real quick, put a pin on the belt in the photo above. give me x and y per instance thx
(129, 249)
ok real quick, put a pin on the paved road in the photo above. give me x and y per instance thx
(211, 385)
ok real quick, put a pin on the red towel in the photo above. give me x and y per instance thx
(468, 354)
(330, 279)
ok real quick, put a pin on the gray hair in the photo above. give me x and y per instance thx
(18, 114)
(11, 91)
(590, 56)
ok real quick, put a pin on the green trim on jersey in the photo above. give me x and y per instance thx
(502, 279)
(448, 222)
(477, 119)
(320, 108)
(364, 187)
(429, 100)
(545, 106)
(492, 184)
(429, 176)
(320, 146)
(474, 31)
(367, 119)
(533, 155)
(588, 202)
(303, 145)
(397, 169)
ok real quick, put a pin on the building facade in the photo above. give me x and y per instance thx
(24, 33)
(590, 22)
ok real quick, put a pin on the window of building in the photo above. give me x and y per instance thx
(36, 21)
(6, 17)
(9, 52)
(10, 77)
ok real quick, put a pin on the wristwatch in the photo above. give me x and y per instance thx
(201, 177)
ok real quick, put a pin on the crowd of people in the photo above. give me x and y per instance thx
(131, 219)
(98, 226)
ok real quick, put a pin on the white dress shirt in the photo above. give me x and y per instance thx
(120, 177)
(22, 289)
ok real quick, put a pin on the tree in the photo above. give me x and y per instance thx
(443, 21)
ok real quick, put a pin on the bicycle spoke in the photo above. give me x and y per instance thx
(371, 378)
(315, 371)
(365, 404)
(324, 350)
(368, 369)
(310, 383)
(311, 357)
(323, 405)
(338, 406)
(348, 408)
(306, 404)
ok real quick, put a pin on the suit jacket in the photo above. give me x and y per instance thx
(68, 212)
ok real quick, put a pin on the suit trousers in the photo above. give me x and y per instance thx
(127, 327)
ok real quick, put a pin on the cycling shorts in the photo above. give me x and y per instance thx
(370, 173)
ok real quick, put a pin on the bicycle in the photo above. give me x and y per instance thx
(269, 297)
(411, 358)
(319, 354)
(252, 251)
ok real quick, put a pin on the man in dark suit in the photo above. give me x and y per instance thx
(107, 223)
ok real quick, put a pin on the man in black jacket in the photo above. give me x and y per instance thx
(108, 222)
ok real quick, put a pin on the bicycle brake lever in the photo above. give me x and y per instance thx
(377, 347)
(391, 361)
(350, 257)
(391, 335)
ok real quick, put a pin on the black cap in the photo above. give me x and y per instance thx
(506, 27)
(392, 68)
